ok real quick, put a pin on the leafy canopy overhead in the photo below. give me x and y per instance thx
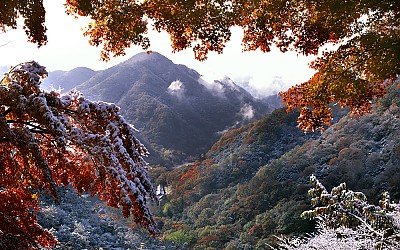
(365, 35)
(49, 140)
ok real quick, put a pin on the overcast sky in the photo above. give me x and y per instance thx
(67, 49)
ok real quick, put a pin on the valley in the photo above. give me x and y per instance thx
(234, 169)
(178, 113)
(199, 125)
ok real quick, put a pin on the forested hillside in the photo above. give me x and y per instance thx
(253, 182)
(82, 222)
(179, 113)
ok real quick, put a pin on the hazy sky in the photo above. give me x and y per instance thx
(67, 49)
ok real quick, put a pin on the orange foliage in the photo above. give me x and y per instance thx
(177, 225)
(191, 173)
(33, 13)
(47, 140)
(256, 229)
(18, 224)
(207, 162)
(366, 36)
(208, 239)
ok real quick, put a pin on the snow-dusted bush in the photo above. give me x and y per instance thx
(340, 238)
(347, 221)
(83, 222)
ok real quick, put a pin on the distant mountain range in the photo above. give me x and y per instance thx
(67, 80)
(178, 112)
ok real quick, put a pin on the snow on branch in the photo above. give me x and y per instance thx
(51, 139)
(345, 220)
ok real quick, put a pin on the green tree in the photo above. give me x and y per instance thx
(345, 208)
(180, 236)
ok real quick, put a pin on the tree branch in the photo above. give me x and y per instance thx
(36, 130)
(4, 139)
(361, 220)
(7, 112)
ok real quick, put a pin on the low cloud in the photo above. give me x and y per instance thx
(176, 88)
(261, 87)
(218, 84)
(247, 112)
(214, 86)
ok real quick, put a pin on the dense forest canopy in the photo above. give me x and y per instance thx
(252, 184)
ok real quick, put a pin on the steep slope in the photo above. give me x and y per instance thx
(200, 190)
(178, 113)
(364, 152)
(239, 153)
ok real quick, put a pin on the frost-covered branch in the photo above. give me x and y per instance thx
(37, 129)
(49, 139)
(338, 238)
(347, 221)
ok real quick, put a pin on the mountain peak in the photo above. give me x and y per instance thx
(148, 58)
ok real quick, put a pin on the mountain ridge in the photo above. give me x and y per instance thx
(178, 112)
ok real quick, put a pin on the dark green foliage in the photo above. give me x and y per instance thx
(343, 207)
